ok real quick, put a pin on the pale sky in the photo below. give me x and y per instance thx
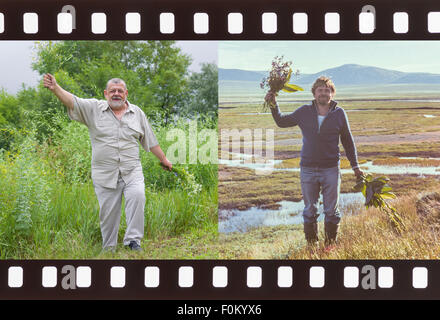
(314, 56)
(16, 59)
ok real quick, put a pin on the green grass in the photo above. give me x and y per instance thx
(49, 210)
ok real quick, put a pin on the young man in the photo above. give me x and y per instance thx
(322, 124)
(116, 128)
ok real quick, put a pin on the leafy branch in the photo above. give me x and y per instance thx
(376, 191)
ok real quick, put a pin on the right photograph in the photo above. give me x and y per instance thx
(329, 149)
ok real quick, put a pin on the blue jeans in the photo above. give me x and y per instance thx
(312, 181)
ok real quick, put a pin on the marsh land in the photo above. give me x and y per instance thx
(397, 134)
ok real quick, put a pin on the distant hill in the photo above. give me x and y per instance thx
(240, 75)
(347, 74)
(419, 78)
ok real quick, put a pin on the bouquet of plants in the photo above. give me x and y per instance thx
(376, 191)
(186, 180)
(278, 79)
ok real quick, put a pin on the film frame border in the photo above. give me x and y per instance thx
(420, 18)
(246, 279)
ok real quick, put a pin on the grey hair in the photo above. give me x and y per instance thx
(116, 81)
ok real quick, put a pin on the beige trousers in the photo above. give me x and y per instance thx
(110, 201)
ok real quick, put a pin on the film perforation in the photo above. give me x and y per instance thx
(99, 23)
(254, 277)
(49, 277)
(186, 277)
(285, 277)
(167, 25)
(300, 22)
(152, 277)
(317, 277)
(220, 277)
(15, 277)
(65, 23)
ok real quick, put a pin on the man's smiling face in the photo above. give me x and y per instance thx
(116, 95)
(323, 95)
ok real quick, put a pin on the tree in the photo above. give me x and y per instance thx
(204, 92)
(155, 71)
(9, 109)
(9, 118)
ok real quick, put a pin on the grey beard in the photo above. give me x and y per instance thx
(116, 104)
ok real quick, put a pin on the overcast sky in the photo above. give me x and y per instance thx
(16, 60)
(315, 56)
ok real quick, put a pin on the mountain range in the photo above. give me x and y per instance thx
(347, 74)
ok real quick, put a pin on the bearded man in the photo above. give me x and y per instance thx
(116, 128)
(323, 124)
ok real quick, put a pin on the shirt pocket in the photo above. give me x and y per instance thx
(105, 128)
(104, 120)
(134, 129)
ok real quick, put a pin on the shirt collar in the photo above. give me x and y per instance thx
(333, 104)
(129, 108)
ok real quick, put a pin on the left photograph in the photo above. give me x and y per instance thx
(108, 150)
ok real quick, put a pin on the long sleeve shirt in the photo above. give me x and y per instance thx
(320, 142)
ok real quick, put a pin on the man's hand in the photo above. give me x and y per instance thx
(270, 98)
(166, 164)
(358, 173)
(65, 97)
(49, 81)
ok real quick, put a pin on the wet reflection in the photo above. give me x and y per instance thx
(245, 161)
(289, 213)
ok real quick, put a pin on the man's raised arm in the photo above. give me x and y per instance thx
(65, 97)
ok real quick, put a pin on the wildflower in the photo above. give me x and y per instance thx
(278, 79)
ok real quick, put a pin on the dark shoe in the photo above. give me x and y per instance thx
(133, 245)
(311, 233)
(331, 232)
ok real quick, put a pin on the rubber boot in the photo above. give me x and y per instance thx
(331, 232)
(311, 233)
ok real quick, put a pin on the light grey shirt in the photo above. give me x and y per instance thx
(115, 143)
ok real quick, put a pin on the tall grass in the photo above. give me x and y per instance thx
(48, 208)
(371, 235)
(368, 234)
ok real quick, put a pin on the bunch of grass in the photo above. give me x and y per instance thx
(186, 180)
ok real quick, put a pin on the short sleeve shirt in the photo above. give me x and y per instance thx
(115, 143)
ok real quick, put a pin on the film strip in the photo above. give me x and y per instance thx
(220, 279)
(220, 20)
